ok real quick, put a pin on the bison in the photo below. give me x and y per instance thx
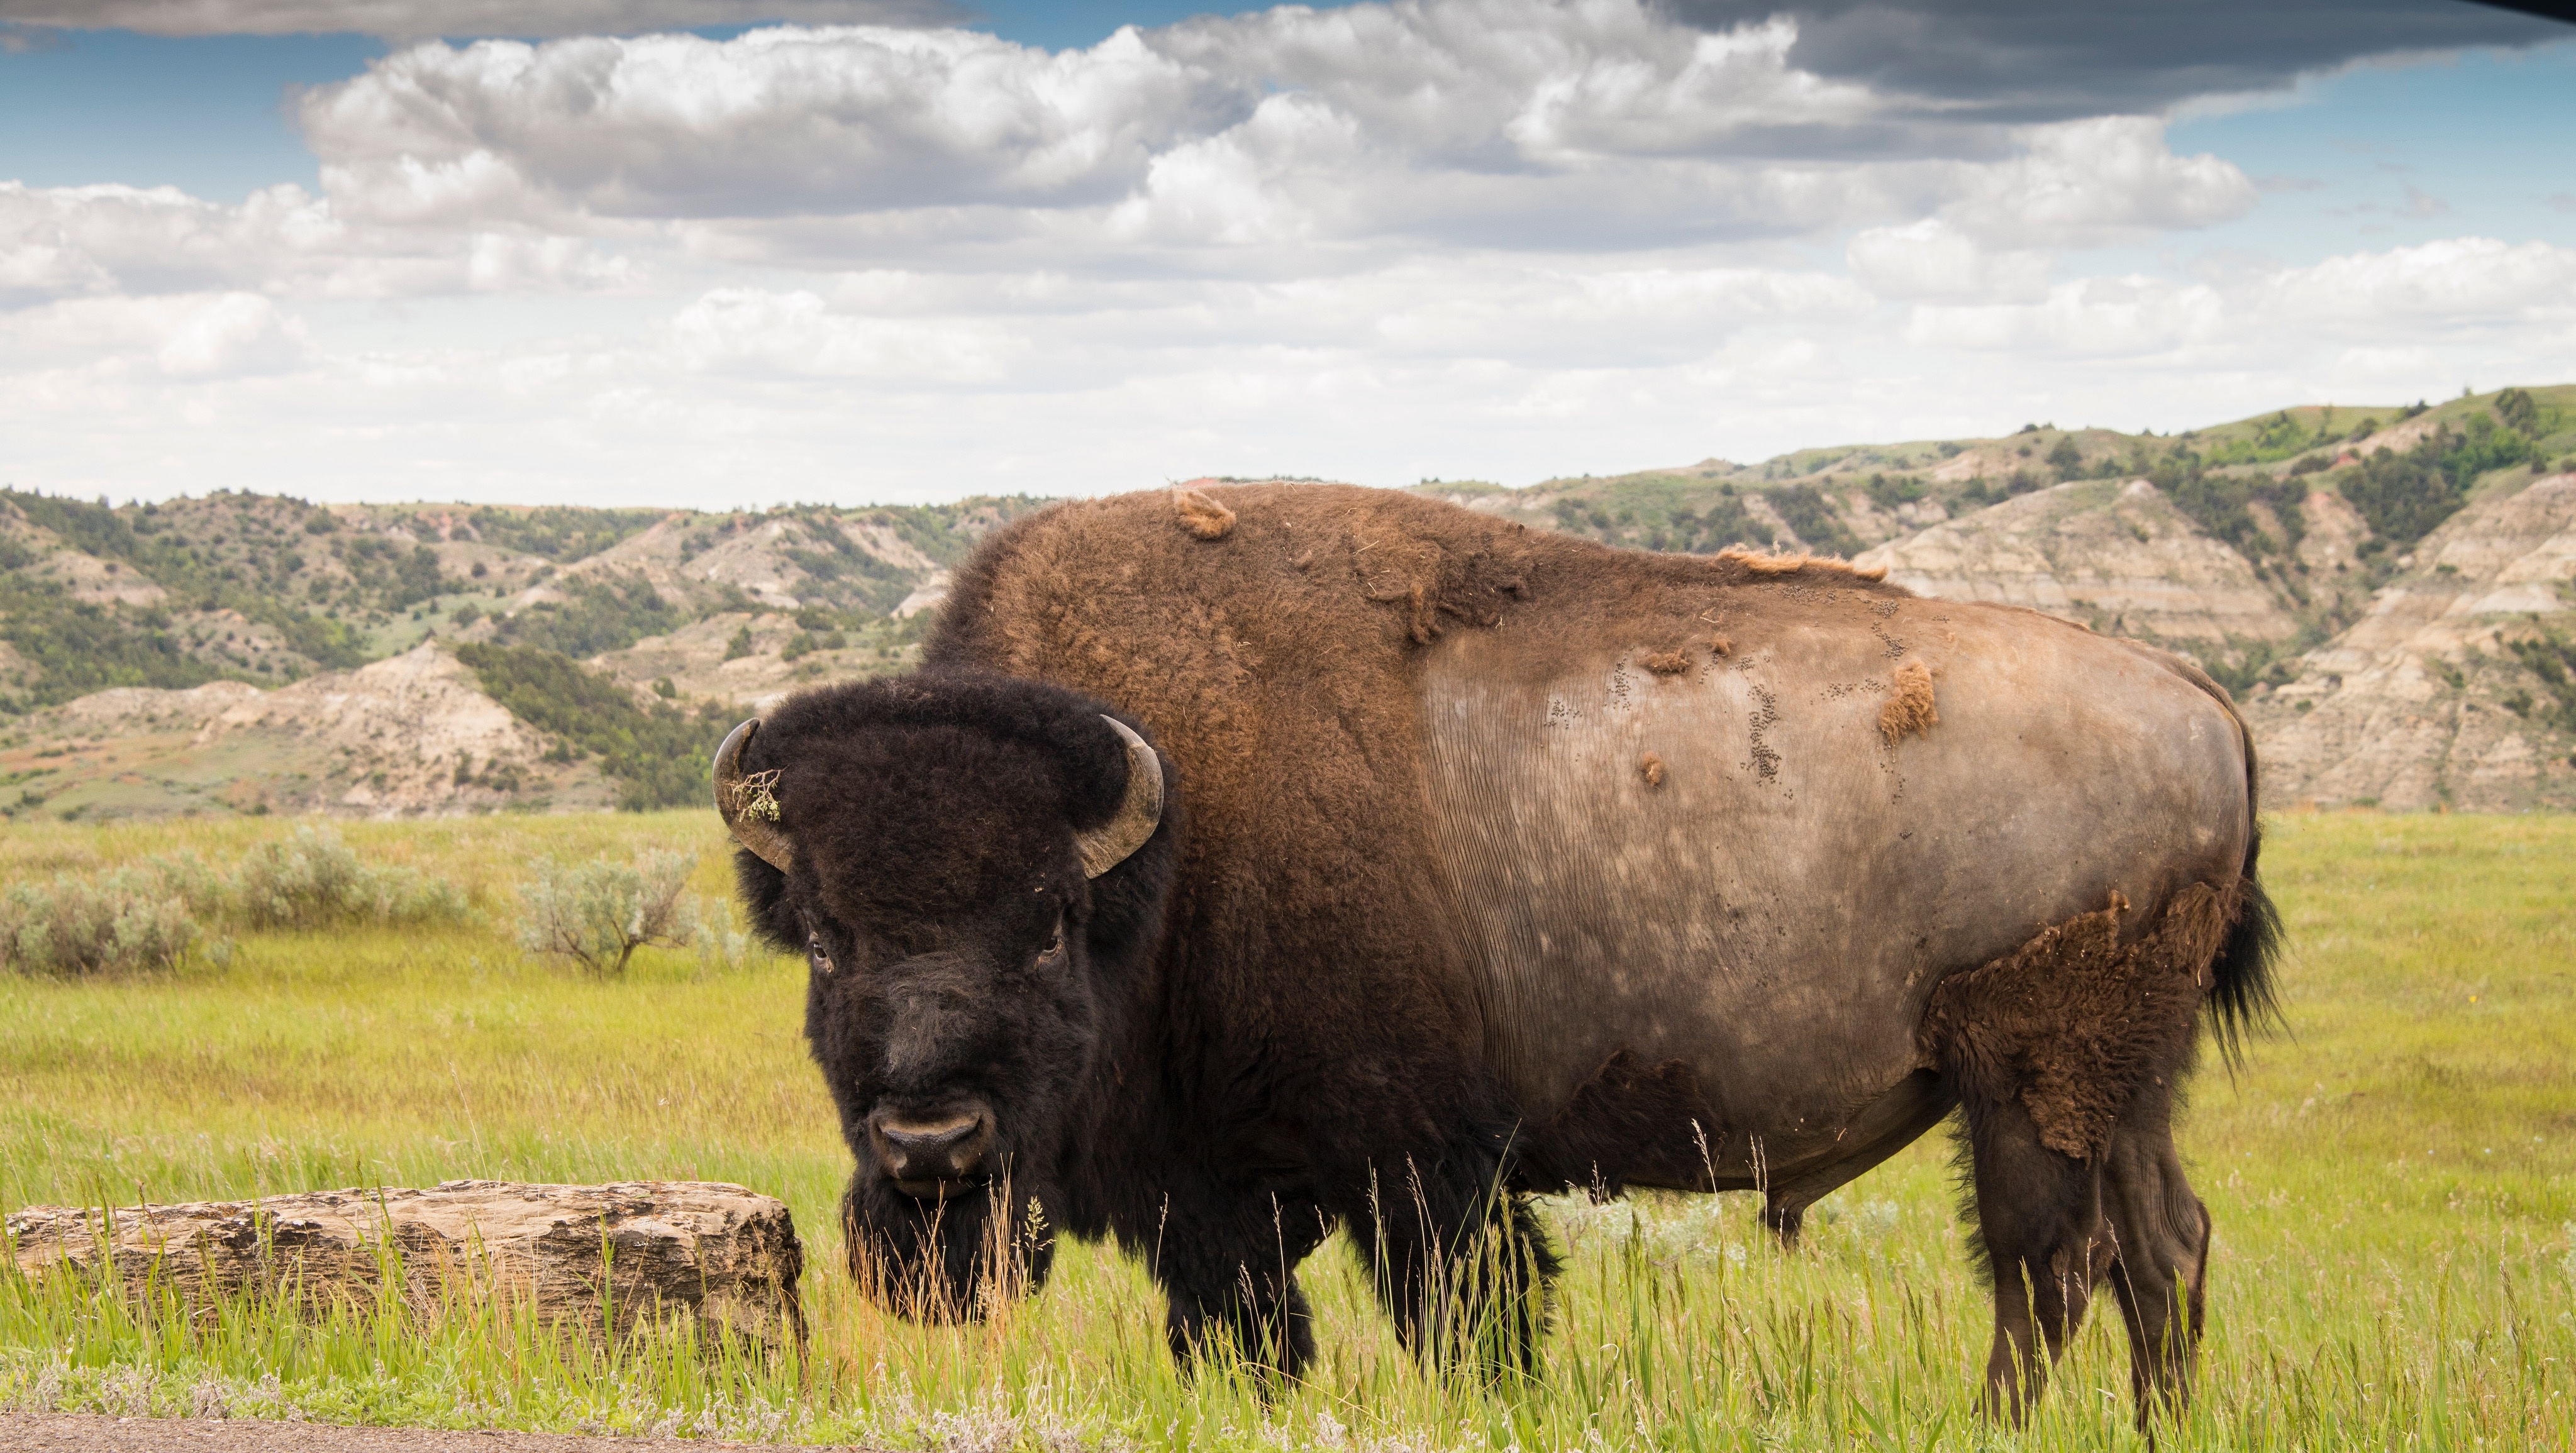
(1251, 862)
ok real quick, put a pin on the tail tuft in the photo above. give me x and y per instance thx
(2243, 997)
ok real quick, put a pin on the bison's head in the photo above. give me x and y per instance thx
(973, 868)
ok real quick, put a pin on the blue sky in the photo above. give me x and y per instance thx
(2482, 134)
(1497, 239)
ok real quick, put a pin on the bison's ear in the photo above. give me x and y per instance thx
(1140, 811)
(748, 801)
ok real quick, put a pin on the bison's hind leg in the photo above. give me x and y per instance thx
(2039, 1231)
(2064, 1057)
(2160, 1250)
(2052, 1227)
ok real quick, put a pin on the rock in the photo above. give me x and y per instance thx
(384, 740)
(2408, 709)
(2117, 556)
(627, 1255)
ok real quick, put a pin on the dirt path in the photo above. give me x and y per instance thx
(67, 1431)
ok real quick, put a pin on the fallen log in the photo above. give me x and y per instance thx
(612, 1258)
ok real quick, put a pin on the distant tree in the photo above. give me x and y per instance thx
(2519, 410)
(2066, 459)
(1888, 493)
(599, 913)
(1805, 510)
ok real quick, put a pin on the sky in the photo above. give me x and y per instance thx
(712, 253)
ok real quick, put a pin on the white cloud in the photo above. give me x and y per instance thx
(1932, 261)
(2123, 316)
(1503, 238)
(2461, 287)
(179, 336)
(752, 332)
(452, 17)
(98, 240)
(2112, 178)
(232, 334)
(892, 385)
(782, 120)
(2464, 282)
(1523, 123)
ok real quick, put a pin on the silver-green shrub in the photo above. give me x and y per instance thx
(722, 948)
(310, 879)
(599, 913)
(88, 923)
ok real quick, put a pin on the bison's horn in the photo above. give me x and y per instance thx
(748, 802)
(1105, 847)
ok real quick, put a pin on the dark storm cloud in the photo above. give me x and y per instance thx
(2049, 60)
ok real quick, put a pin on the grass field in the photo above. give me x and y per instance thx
(2393, 1180)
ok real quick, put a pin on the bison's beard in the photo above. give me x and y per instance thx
(946, 1259)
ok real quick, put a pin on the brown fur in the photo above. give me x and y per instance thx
(1651, 767)
(1294, 650)
(1316, 1010)
(1665, 663)
(1290, 658)
(1200, 515)
(1763, 562)
(2073, 1023)
(1909, 710)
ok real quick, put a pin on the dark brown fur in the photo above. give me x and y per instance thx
(2078, 1020)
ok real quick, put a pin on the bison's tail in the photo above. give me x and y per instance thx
(2242, 993)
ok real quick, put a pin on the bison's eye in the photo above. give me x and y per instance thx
(819, 955)
(1054, 953)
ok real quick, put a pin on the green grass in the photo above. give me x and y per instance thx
(2393, 1181)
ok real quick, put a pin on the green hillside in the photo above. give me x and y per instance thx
(622, 638)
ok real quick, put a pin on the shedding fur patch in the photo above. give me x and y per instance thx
(1763, 562)
(1201, 515)
(1909, 710)
(2074, 1023)
(1651, 767)
(1432, 577)
(1665, 663)
(1719, 646)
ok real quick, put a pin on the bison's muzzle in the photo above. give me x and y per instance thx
(933, 1155)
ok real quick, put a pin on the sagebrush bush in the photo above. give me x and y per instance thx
(313, 880)
(186, 877)
(599, 913)
(82, 923)
(722, 948)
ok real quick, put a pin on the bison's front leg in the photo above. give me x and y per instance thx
(1228, 1266)
(1459, 1260)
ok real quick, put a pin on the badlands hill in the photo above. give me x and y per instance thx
(2387, 590)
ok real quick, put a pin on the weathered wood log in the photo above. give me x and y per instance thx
(601, 1258)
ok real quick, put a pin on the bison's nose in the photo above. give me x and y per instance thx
(929, 1154)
